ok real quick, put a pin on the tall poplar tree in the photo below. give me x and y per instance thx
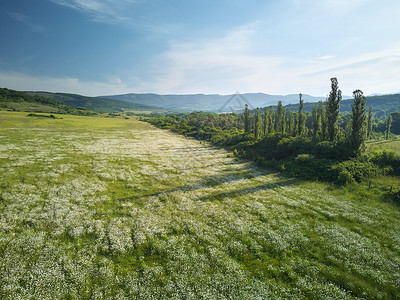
(257, 124)
(291, 126)
(321, 112)
(266, 121)
(358, 123)
(316, 122)
(271, 121)
(246, 119)
(301, 117)
(280, 118)
(332, 110)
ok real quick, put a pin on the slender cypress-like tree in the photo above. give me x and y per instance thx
(358, 123)
(316, 122)
(257, 124)
(271, 121)
(301, 117)
(246, 119)
(291, 126)
(370, 116)
(388, 126)
(280, 118)
(266, 121)
(321, 112)
(332, 110)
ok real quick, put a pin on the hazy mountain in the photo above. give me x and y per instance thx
(213, 102)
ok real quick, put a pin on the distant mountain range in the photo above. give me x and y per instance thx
(213, 102)
(382, 104)
(147, 103)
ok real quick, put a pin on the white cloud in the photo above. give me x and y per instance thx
(233, 63)
(109, 11)
(331, 6)
(25, 82)
(325, 57)
(372, 72)
(223, 65)
(26, 20)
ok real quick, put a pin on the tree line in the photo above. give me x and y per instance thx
(321, 145)
(322, 124)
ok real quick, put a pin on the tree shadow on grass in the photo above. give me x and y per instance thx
(241, 192)
(226, 177)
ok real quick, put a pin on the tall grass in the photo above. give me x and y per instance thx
(111, 208)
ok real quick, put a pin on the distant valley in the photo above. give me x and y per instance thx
(155, 103)
(213, 102)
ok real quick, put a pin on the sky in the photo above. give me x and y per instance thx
(107, 47)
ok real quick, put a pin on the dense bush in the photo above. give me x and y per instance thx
(356, 168)
(388, 161)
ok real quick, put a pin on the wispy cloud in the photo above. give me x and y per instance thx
(357, 61)
(325, 57)
(26, 20)
(331, 6)
(109, 11)
(231, 63)
(371, 72)
(225, 65)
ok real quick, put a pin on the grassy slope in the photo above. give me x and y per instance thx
(389, 145)
(12, 100)
(94, 207)
(99, 104)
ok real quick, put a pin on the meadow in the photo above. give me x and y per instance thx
(388, 145)
(100, 208)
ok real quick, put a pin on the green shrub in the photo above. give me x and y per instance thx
(337, 151)
(344, 178)
(305, 157)
(388, 161)
(291, 146)
(358, 169)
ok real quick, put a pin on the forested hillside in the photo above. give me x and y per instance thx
(98, 104)
(382, 105)
(21, 101)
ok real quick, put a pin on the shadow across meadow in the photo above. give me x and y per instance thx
(247, 172)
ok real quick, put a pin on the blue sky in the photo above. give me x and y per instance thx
(94, 47)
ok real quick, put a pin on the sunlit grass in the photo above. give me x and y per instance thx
(388, 145)
(111, 208)
(20, 120)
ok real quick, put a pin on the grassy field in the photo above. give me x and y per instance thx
(100, 208)
(389, 145)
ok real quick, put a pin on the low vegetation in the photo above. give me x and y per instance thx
(19, 101)
(322, 146)
(99, 104)
(96, 207)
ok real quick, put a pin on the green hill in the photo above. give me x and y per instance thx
(21, 101)
(98, 104)
(382, 105)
